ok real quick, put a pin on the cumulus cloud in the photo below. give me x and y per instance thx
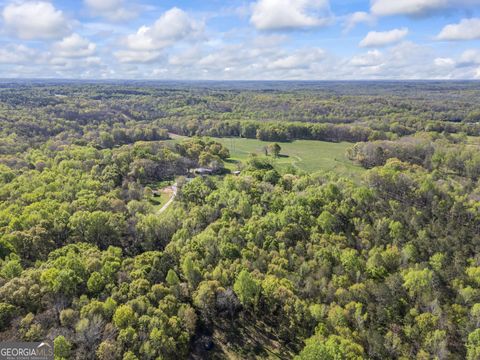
(174, 25)
(176, 46)
(74, 46)
(289, 14)
(371, 58)
(104, 5)
(146, 44)
(187, 57)
(417, 7)
(467, 29)
(356, 18)
(129, 56)
(383, 38)
(407, 7)
(214, 56)
(444, 62)
(111, 9)
(406, 60)
(464, 66)
(256, 58)
(23, 61)
(302, 59)
(477, 73)
(470, 57)
(17, 54)
(35, 20)
(262, 60)
(60, 63)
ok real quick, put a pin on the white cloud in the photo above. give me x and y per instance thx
(161, 71)
(104, 6)
(174, 25)
(467, 29)
(35, 20)
(358, 17)
(258, 59)
(16, 54)
(444, 62)
(406, 7)
(469, 57)
(88, 63)
(22, 61)
(371, 58)
(111, 9)
(175, 46)
(129, 56)
(225, 56)
(289, 14)
(269, 40)
(186, 58)
(147, 43)
(376, 38)
(300, 60)
(255, 58)
(74, 46)
(417, 7)
(477, 73)
(406, 60)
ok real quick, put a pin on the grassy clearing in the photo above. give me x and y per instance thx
(473, 140)
(306, 155)
(176, 137)
(159, 201)
(163, 197)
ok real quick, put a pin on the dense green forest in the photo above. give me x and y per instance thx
(267, 262)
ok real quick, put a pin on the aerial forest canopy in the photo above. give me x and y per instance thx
(253, 260)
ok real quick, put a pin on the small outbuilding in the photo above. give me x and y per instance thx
(203, 171)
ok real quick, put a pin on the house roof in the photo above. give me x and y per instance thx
(203, 170)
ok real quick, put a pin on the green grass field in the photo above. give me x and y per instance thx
(306, 155)
(473, 140)
(159, 201)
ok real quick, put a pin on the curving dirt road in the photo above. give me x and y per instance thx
(170, 201)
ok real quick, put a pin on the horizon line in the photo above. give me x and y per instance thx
(236, 80)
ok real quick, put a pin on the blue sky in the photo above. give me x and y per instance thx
(242, 40)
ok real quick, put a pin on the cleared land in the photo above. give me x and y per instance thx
(306, 155)
(159, 201)
(166, 192)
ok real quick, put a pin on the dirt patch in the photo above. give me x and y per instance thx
(168, 190)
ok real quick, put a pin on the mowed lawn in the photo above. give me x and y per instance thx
(306, 155)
